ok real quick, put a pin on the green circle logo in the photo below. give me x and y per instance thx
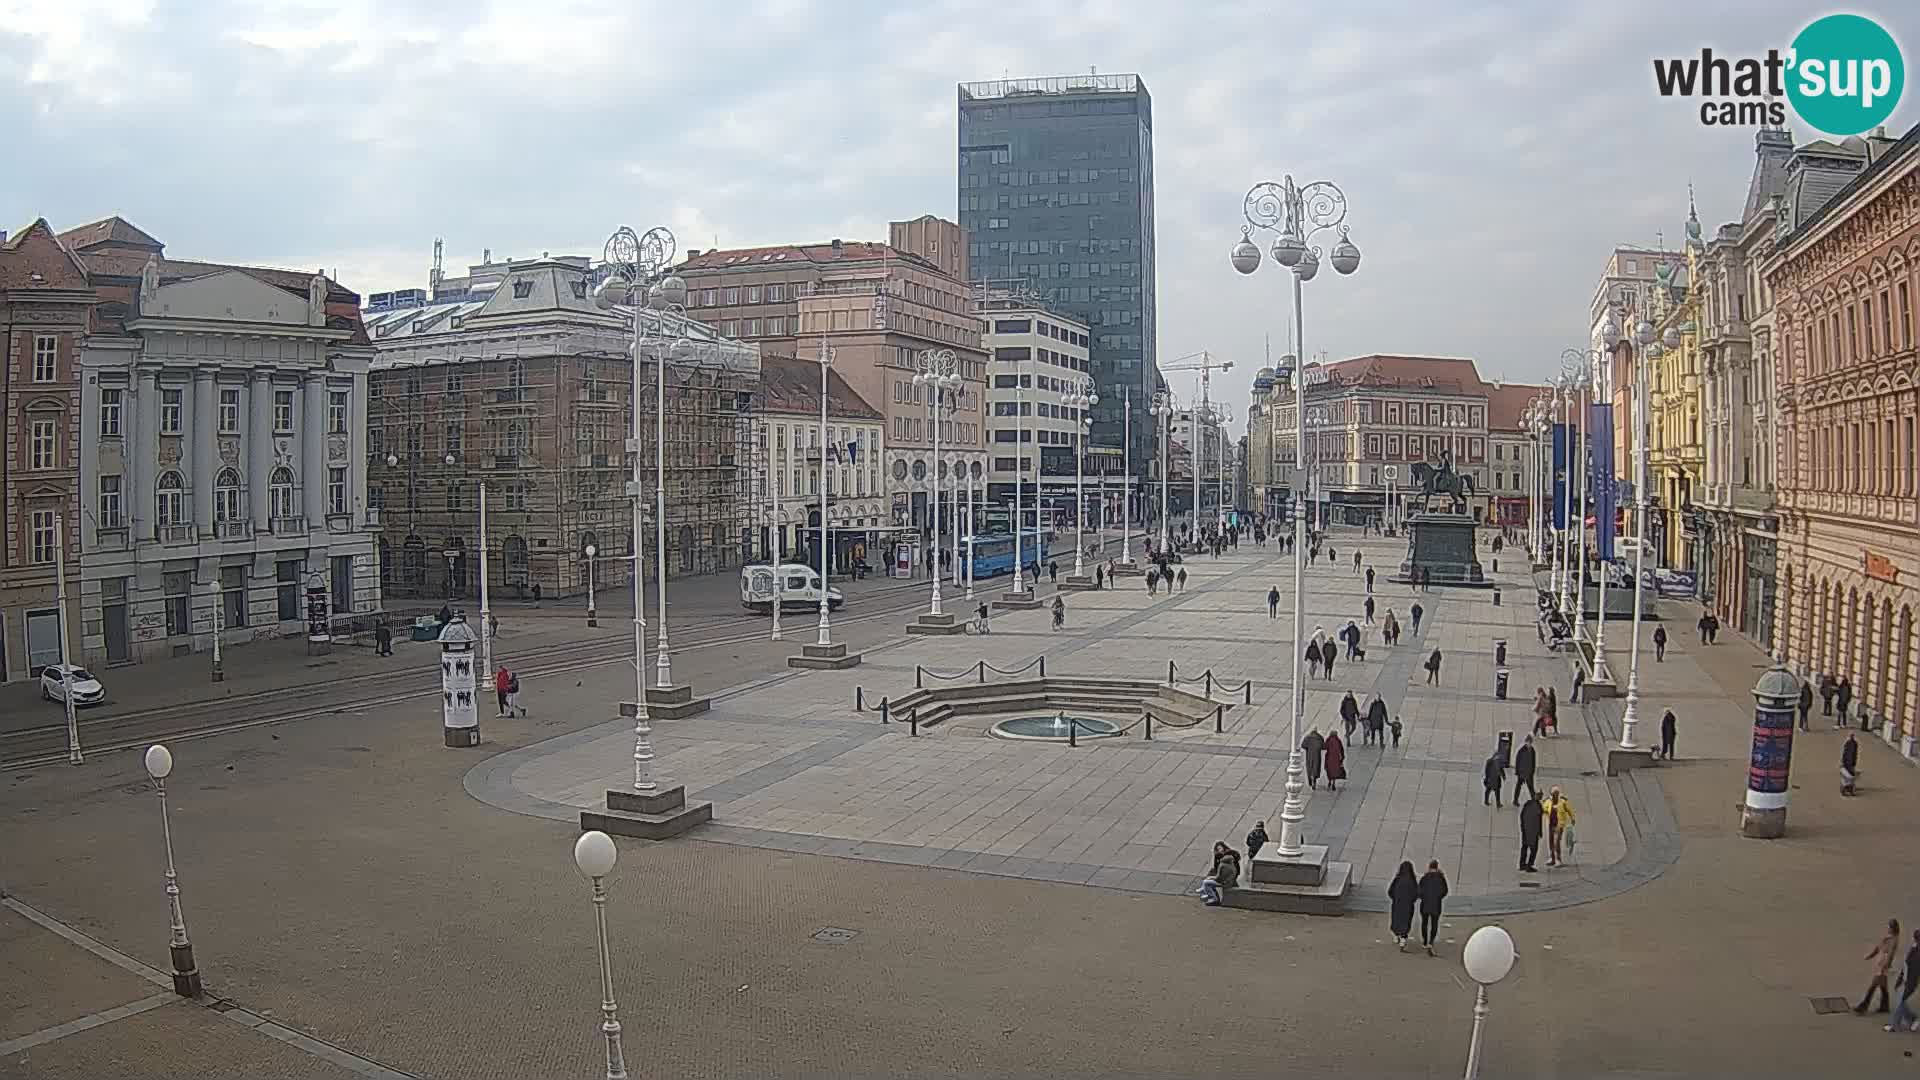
(1846, 74)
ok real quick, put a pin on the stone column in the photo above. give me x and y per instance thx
(313, 448)
(202, 428)
(146, 456)
(259, 450)
(1764, 813)
(357, 450)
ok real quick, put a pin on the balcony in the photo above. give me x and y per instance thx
(178, 534)
(110, 538)
(234, 530)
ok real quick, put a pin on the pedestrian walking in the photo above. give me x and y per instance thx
(1530, 820)
(1433, 898)
(1881, 959)
(1053, 572)
(1842, 697)
(1256, 839)
(1579, 680)
(1559, 811)
(1417, 612)
(501, 680)
(1713, 628)
(1313, 658)
(1525, 760)
(983, 619)
(1395, 726)
(1153, 582)
(1352, 634)
(1059, 612)
(1659, 644)
(1314, 745)
(1349, 713)
(1376, 720)
(1849, 765)
(1368, 608)
(383, 638)
(1828, 688)
(1806, 702)
(1400, 897)
(1222, 874)
(1099, 578)
(1668, 728)
(1356, 562)
(513, 694)
(1703, 624)
(1273, 602)
(1327, 655)
(1493, 777)
(1332, 555)
(1433, 668)
(1542, 712)
(1336, 755)
(1182, 579)
(493, 625)
(1903, 1014)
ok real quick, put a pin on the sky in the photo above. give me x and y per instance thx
(1492, 154)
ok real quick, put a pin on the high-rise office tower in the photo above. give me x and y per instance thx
(1056, 195)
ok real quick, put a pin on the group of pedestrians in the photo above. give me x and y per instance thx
(1429, 892)
(1325, 753)
(1880, 958)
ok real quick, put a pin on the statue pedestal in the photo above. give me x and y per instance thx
(1441, 550)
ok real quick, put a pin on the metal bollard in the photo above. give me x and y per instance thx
(1147, 715)
(1043, 667)
(1169, 673)
(1219, 714)
(981, 668)
(1073, 732)
(1209, 682)
(1248, 688)
(859, 699)
(913, 723)
(884, 718)
(916, 677)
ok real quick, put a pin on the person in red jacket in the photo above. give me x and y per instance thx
(502, 682)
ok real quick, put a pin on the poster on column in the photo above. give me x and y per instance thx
(1601, 476)
(1560, 435)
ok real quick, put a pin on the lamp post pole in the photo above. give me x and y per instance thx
(595, 855)
(1565, 575)
(1019, 476)
(1080, 400)
(1296, 214)
(776, 535)
(1582, 462)
(1600, 378)
(973, 518)
(825, 636)
(1163, 411)
(1126, 493)
(939, 373)
(1650, 351)
(593, 617)
(186, 977)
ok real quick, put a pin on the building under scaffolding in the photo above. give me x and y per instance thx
(524, 386)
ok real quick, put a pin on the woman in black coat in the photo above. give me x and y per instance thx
(1433, 895)
(1402, 893)
(1313, 658)
(1349, 714)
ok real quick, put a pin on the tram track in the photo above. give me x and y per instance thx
(47, 744)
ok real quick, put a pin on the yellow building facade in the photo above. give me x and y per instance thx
(1676, 443)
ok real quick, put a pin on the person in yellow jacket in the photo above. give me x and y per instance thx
(1559, 821)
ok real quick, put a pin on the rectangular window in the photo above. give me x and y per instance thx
(1913, 466)
(753, 328)
(110, 398)
(229, 410)
(1866, 322)
(337, 412)
(776, 326)
(733, 296)
(46, 354)
(337, 491)
(177, 587)
(753, 294)
(1887, 344)
(169, 412)
(110, 510)
(233, 597)
(341, 587)
(40, 531)
(1906, 317)
(286, 576)
(1853, 334)
(729, 328)
(283, 410)
(43, 445)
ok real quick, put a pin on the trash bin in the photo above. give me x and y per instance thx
(1500, 686)
(1505, 747)
(1499, 652)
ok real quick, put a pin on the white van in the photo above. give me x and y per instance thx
(799, 589)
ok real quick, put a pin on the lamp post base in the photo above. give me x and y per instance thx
(675, 702)
(1624, 761)
(824, 658)
(655, 815)
(186, 977)
(461, 738)
(1763, 824)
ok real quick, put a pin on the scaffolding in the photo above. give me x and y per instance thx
(543, 415)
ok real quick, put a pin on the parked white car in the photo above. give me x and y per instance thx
(56, 678)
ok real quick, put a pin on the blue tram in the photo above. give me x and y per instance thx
(992, 553)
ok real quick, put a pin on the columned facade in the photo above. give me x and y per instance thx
(1845, 283)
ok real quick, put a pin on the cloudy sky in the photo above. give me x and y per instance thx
(1492, 153)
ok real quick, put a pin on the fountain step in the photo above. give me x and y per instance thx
(936, 626)
(1329, 897)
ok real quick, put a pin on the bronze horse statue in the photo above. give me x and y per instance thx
(1442, 480)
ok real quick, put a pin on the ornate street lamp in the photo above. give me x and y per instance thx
(1080, 399)
(939, 373)
(1650, 352)
(186, 977)
(1295, 215)
(595, 855)
(1163, 411)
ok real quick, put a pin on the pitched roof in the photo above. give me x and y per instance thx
(789, 385)
(1507, 402)
(34, 259)
(115, 231)
(790, 254)
(1447, 373)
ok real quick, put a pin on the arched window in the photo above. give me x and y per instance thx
(226, 496)
(686, 548)
(514, 549)
(170, 500)
(386, 563)
(280, 488)
(413, 561)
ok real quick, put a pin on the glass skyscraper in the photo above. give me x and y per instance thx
(1056, 194)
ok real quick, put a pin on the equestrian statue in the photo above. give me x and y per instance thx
(1442, 480)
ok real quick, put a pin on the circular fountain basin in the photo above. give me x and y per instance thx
(1053, 728)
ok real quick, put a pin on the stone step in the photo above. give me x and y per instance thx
(923, 626)
(669, 695)
(825, 663)
(674, 816)
(680, 710)
(1329, 897)
(1307, 868)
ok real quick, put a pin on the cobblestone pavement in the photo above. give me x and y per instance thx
(791, 766)
(339, 881)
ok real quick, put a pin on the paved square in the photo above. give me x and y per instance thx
(790, 765)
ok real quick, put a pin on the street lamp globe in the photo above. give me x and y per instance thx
(671, 292)
(1671, 339)
(392, 460)
(1309, 265)
(594, 854)
(1655, 351)
(1610, 332)
(1246, 254)
(1288, 247)
(611, 291)
(1643, 333)
(1346, 255)
(592, 551)
(159, 761)
(1489, 955)
(449, 459)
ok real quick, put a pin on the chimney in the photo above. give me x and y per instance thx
(837, 248)
(486, 255)
(693, 252)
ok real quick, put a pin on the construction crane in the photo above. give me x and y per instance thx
(1205, 413)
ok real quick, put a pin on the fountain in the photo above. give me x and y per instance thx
(1056, 728)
